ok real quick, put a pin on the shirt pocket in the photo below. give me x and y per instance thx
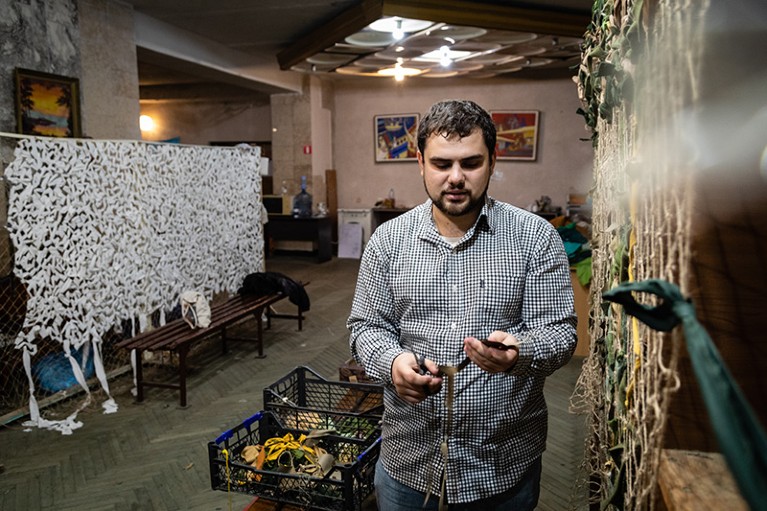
(502, 301)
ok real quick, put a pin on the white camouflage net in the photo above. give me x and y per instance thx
(105, 231)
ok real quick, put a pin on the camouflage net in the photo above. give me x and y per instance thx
(637, 84)
(100, 239)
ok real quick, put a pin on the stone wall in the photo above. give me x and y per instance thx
(91, 40)
(109, 79)
(39, 35)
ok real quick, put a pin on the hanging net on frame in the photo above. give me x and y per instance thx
(100, 239)
(637, 82)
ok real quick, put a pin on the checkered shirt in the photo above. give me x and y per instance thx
(416, 293)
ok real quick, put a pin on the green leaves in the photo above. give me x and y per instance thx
(612, 37)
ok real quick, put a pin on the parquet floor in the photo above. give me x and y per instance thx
(153, 455)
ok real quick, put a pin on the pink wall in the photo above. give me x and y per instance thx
(564, 163)
(342, 135)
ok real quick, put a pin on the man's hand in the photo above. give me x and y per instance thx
(493, 360)
(410, 384)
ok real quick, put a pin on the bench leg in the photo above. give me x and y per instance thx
(139, 375)
(182, 352)
(270, 313)
(223, 340)
(259, 313)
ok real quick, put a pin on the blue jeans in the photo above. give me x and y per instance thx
(392, 495)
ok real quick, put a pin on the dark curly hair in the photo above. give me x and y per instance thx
(456, 117)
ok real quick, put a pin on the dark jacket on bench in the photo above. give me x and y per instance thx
(270, 282)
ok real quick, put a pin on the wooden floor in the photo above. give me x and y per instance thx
(153, 455)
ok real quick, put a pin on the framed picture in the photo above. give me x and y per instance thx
(47, 104)
(517, 134)
(395, 137)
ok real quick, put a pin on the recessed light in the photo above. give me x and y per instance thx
(401, 24)
(444, 52)
(398, 70)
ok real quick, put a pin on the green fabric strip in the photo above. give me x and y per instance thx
(741, 438)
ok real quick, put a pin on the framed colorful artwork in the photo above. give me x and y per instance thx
(395, 137)
(47, 104)
(517, 134)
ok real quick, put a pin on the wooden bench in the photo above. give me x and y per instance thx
(177, 336)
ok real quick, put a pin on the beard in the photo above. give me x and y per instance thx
(451, 208)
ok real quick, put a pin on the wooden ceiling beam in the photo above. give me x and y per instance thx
(349, 22)
(541, 20)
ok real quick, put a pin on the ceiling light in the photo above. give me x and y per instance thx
(399, 75)
(444, 51)
(397, 33)
(146, 123)
(402, 24)
(444, 58)
(399, 72)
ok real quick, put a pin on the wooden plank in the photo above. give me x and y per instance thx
(331, 196)
(694, 480)
(178, 331)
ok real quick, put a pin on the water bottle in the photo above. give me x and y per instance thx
(302, 202)
(392, 202)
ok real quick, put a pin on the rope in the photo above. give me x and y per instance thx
(228, 478)
(740, 436)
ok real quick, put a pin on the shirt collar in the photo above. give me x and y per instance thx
(484, 222)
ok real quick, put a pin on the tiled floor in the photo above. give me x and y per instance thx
(153, 455)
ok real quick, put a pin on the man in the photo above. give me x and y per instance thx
(434, 281)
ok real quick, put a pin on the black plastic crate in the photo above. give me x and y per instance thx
(344, 488)
(305, 400)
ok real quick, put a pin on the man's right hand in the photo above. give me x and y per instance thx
(410, 384)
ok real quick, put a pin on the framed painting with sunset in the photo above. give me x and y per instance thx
(47, 104)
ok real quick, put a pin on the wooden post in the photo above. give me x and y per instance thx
(331, 199)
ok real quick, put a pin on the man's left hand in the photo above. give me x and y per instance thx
(493, 360)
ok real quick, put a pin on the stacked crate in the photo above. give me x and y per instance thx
(345, 416)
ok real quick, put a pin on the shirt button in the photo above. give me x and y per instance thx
(455, 288)
(453, 325)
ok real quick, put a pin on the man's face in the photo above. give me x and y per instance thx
(456, 172)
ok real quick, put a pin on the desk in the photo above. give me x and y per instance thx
(314, 229)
